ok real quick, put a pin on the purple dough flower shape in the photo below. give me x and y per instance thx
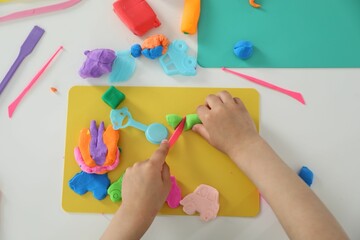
(98, 62)
(98, 149)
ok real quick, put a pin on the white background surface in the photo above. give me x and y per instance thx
(323, 135)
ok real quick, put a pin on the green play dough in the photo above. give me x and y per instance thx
(115, 190)
(173, 120)
(191, 120)
(113, 97)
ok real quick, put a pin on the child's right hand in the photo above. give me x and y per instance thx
(226, 124)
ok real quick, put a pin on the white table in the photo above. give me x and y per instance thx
(323, 135)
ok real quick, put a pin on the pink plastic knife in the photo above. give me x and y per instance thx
(39, 10)
(179, 129)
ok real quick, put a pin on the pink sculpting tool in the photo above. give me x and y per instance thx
(15, 103)
(39, 10)
(296, 95)
(179, 129)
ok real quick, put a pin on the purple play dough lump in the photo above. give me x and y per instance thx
(98, 149)
(98, 62)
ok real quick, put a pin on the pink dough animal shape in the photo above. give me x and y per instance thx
(174, 197)
(205, 200)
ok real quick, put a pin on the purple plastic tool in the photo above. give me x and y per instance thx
(25, 50)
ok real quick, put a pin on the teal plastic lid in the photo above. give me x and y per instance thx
(156, 132)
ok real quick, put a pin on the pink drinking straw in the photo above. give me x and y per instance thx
(15, 103)
(296, 95)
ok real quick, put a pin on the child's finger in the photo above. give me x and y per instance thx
(225, 96)
(202, 111)
(160, 154)
(213, 100)
(238, 101)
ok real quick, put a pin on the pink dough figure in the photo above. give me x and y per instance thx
(205, 200)
(174, 197)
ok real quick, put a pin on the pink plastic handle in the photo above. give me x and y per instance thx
(296, 95)
(15, 103)
(40, 10)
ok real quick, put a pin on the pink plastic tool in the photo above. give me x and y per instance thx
(179, 129)
(296, 95)
(13, 105)
(39, 10)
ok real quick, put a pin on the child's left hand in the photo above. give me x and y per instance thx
(147, 184)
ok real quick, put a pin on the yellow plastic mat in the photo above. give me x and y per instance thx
(192, 160)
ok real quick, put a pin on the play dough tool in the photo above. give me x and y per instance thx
(176, 60)
(296, 95)
(40, 10)
(25, 50)
(16, 102)
(179, 129)
(154, 133)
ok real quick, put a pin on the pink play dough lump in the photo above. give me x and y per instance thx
(205, 200)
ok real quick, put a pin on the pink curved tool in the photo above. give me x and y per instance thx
(177, 132)
(296, 95)
(13, 105)
(40, 10)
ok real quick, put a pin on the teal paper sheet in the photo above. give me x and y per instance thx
(285, 34)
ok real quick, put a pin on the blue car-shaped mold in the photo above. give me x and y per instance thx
(176, 61)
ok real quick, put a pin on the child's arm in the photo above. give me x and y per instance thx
(227, 125)
(144, 190)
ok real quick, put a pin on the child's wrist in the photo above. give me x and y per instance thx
(240, 151)
(140, 213)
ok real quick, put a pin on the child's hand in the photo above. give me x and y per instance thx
(147, 184)
(226, 124)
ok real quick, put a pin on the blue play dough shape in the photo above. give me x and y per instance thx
(156, 132)
(84, 182)
(136, 50)
(307, 175)
(243, 49)
(153, 53)
(123, 67)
